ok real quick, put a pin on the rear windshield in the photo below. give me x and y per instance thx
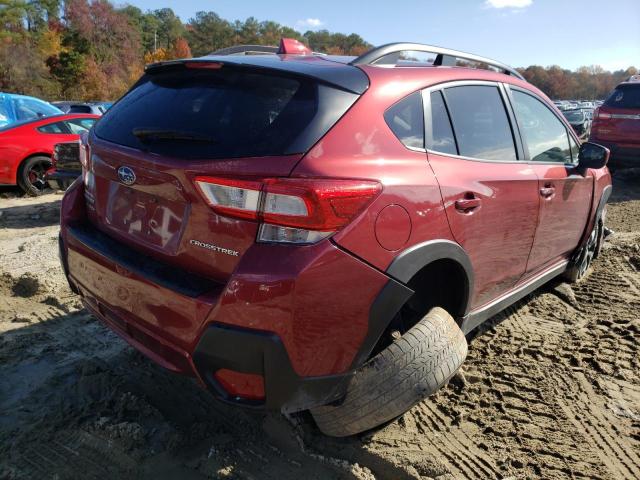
(225, 113)
(624, 96)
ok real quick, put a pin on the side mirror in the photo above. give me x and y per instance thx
(592, 155)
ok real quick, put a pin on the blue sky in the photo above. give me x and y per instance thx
(570, 33)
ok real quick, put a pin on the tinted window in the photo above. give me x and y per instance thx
(480, 122)
(80, 125)
(406, 120)
(545, 135)
(224, 113)
(58, 127)
(439, 132)
(624, 96)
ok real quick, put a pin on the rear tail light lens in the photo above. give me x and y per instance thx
(237, 198)
(290, 210)
(269, 233)
(84, 152)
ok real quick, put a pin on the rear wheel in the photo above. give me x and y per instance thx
(31, 174)
(413, 367)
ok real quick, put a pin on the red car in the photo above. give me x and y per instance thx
(26, 148)
(312, 232)
(616, 125)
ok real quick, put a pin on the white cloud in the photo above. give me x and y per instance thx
(309, 23)
(507, 3)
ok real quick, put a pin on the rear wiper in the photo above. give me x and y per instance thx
(155, 134)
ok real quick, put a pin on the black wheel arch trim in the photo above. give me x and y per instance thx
(415, 258)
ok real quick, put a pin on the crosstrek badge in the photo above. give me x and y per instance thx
(215, 248)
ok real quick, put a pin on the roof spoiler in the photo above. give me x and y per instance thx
(391, 53)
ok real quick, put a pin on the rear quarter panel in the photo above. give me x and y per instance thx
(361, 145)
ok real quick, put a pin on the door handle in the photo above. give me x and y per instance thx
(467, 204)
(547, 191)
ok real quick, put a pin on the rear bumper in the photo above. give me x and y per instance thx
(300, 318)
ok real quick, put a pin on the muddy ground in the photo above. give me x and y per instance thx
(550, 389)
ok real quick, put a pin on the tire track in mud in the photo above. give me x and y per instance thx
(590, 419)
(512, 395)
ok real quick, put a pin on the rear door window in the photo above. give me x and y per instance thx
(223, 113)
(56, 128)
(439, 136)
(624, 96)
(480, 122)
(406, 120)
(544, 134)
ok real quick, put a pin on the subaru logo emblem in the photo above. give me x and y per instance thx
(126, 175)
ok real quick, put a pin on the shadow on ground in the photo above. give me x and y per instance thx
(80, 403)
(31, 216)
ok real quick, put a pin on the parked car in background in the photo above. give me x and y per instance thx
(303, 231)
(104, 106)
(579, 121)
(81, 107)
(616, 125)
(26, 148)
(19, 108)
(65, 165)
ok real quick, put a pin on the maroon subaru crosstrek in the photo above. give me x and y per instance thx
(302, 231)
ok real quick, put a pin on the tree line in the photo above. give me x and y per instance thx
(93, 50)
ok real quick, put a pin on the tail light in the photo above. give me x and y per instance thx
(290, 210)
(84, 154)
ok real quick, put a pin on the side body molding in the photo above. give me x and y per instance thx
(412, 260)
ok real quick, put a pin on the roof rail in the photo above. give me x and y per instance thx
(389, 54)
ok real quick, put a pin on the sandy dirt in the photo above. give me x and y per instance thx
(550, 388)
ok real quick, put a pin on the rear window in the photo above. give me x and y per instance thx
(80, 109)
(480, 122)
(624, 96)
(197, 113)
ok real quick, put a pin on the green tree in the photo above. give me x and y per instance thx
(208, 32)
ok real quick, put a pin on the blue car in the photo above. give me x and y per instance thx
(19, 108)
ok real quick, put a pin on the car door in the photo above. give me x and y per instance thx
(565, 193)
(490, 194)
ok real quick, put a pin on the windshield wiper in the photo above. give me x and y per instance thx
(156, 134)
